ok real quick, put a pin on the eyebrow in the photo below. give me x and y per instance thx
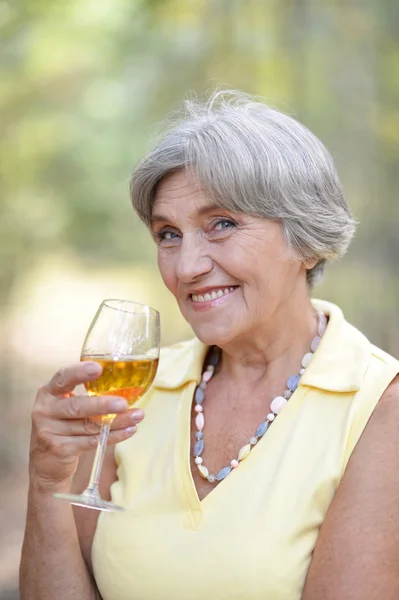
(204, 210)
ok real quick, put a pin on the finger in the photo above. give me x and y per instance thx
(65, 380)
(82, 407)
(126, 419)
(92, 426)
(77, 444)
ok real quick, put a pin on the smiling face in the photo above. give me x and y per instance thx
(231, 273)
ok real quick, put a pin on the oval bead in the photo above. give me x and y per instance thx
(213, 358)
(243, 453)
(278, 404)
(198, 448)
(322, 324)
(199, 395)
(203, 471)
(200, 421)
(207, 376)
(315, 343)
(307, 359)
(262, 429)
(223, 473)
(292, 383)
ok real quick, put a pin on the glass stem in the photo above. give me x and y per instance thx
(92, 488)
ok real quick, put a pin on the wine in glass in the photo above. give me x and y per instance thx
(124, 339)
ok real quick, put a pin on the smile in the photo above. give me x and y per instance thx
(214, 295)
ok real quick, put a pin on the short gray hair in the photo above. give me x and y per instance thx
(252, 158)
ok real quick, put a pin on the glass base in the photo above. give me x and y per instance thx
(89, 501)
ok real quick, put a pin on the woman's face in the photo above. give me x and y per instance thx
(229, 272)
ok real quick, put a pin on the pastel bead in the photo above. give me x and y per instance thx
(322, 324)
(203, 471)
(287, 394)
(199, 460)
(211, 478)
(200, 421)
(307, 359)
(213, 358)
(293, 382)
(262, 429)
(210, 369)
(198, 408)
(315, 343)
(223, 473)
(270, 417)
(278, 404)
(198, 448)
(206, 376)
(253, 440)
(234, 463)
(302, 371)
(244, 452)
(199, 396)
(199, 435)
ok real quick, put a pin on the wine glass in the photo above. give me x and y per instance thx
(124, 339)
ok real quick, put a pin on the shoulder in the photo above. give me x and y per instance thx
(389, 400)
(363, 516)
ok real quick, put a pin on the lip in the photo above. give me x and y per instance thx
(207, 290)
(208, 304)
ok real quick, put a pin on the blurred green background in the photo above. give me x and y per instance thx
(83, 84)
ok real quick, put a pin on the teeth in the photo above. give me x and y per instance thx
(212, 296)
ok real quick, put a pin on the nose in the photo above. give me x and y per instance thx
(193, 262)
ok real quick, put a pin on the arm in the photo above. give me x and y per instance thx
(357, 552)
(52, 564)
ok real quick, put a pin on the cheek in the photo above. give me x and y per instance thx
(167, 271)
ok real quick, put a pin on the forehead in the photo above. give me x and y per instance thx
(179, 194)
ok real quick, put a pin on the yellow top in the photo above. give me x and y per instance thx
(252, 537)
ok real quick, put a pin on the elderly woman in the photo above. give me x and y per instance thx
(266, 467)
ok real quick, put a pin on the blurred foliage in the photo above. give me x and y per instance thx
(83, 84)
(85, 81)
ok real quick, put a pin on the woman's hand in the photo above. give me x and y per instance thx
(64, 425)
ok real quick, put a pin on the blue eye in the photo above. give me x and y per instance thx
(166, 235)
(222, 224)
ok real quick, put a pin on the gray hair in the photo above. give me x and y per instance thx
(254, 159)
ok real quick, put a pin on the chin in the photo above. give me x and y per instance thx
(211, 334)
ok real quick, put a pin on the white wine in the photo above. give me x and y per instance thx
(129, 378)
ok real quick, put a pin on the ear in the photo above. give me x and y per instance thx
(309, 264)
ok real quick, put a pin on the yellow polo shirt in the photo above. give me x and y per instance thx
(252, 537)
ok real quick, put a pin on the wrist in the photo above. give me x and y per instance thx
(45, 486)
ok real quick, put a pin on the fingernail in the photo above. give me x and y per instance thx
(138, 415)
(93, 369)
(118, 404)
(131, 430)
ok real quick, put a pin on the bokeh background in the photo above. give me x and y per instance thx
(83, 84)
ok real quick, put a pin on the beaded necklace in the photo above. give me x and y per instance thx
(276, 406)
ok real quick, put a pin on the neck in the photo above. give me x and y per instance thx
(273, 348)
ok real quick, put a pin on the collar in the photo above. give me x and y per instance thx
(339, 364)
